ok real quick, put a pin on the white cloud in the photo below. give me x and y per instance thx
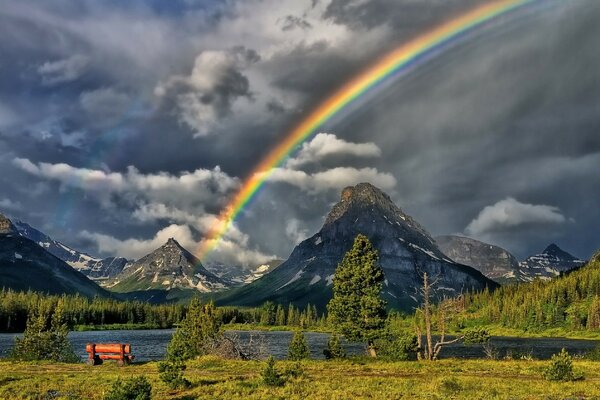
(136, 248)
(195, 189)
(208, 93)
(65, 70)
(295, 232)
(510, 213)
(326, 144)
(335, 178)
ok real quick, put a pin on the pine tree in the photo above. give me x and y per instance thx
(199, 329)
(334, 348)
(280, 316)
(356, 309)
(298, 349)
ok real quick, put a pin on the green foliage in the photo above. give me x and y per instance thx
(400, 347)
(477, 335)
(334, 348)
(45, 337)
(569, 302)
(295, 370)
(270, 375)
(78, 310)
(594, 354)
(298, 349)
(560, 368)
(450, 386)
(197, 332)
(136, 388)
(356, 309)
(171, 373)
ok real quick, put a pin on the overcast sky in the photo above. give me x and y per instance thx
(125, 123)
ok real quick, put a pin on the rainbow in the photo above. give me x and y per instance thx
(397, 61)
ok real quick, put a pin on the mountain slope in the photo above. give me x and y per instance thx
(548, 264)
(24, 265)
(494, 262)
(238, 275)
(168, 267)
(406, 250)
(92, 267)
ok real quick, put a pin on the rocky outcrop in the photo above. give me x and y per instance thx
(494, 262)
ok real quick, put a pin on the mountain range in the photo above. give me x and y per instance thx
(30, 259)
(500, 265)
(24, 265)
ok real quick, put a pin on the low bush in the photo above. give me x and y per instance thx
(560, 368)
(334, 348)
(397, 347)
(136, 388)
(171, 373)
(298, 349)
(270, 375)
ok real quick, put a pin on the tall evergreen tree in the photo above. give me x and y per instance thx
(199, 329)
(356, 309)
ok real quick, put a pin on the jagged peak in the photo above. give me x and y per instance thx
(6, 226)
(552, 248)
(363, 194)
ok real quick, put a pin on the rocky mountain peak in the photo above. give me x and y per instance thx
(365, 196)
(6, 226)
(555, 251)
(172, 242)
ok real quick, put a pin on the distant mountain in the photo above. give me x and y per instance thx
(24, 265)
(406, 250)
(494, 262)
(237, 275)
(168, 267)
(93, 267)
(550, 263)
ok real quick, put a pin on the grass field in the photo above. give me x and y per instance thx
(213, 378)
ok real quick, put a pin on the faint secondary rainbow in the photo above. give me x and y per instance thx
(394, 62)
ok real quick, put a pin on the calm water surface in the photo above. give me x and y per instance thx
(151, 344)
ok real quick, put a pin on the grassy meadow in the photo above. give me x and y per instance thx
(214, 378)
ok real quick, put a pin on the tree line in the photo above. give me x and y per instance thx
(15, 307)
(571, 301)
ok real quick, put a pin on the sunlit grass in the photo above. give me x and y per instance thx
(213, 378)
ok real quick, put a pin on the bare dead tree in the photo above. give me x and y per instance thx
(425, 315)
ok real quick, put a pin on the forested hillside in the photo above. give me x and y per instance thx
(571, 301)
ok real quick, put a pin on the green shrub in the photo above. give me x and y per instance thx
(450, 386)
(171, 373)
(136, 388)
(594, 354)
(560, 368)
(334, 348)
(270, 376)
(295, 370)
(476, 336)
(298, 349)
(397, 347)
(45, 336)
(196, 333)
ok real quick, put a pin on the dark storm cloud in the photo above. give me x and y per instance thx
(406, 16)
(512, 113)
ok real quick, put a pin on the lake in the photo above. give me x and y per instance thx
(150, 345)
